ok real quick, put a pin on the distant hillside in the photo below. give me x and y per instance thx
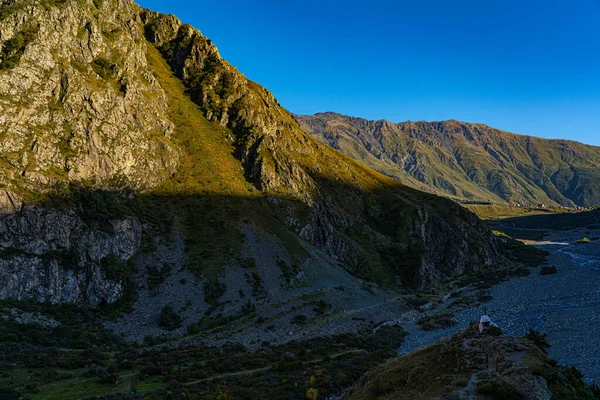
(467, 161)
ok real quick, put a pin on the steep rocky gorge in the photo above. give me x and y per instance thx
(87, 100)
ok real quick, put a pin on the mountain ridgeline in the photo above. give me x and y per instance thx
(464, 161)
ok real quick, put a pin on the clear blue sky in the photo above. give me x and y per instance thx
(526, 66)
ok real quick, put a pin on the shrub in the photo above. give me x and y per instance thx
(9, 393)
(299, 319)
(548, 270)
(104, 68)
(439, 321)
(169, 319)
(13, 48)
(498, 390)
(321, 307)
(248, 308)
(494, 331)
(538, 338)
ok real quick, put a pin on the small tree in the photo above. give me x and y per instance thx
(169, 319)
(538, 338)
(312, 393)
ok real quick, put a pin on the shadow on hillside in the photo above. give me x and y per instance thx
(378, 235)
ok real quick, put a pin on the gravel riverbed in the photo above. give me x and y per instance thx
(565, 306)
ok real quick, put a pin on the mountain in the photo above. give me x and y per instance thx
(464, 161)
(141, 169)
(471, 365)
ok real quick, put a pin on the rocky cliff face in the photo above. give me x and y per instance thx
(467, 161)
(53, 256)
(279, 159)
(77, 101)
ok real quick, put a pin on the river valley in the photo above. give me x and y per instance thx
(564, 305)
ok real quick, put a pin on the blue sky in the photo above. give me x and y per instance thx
(526, 66)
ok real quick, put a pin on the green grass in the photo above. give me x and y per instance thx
(522, 234)
(500, 212)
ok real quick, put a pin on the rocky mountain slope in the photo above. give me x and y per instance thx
(467, 161)
(471, 365)
(137, 163)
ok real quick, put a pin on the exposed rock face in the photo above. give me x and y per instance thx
(467, 161)
(51, 255)
(265, 132)
(80, 102)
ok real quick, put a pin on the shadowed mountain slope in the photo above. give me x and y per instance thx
(467, 161)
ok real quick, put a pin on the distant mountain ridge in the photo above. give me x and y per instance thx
(467, 161)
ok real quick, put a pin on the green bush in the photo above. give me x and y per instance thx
(169, 319)
(494, 331)
(248, 308)
(8, 393)
(13, 48)
(498, 390)
(299, 319)
(104, 68)
(439, 321)
(538, 338)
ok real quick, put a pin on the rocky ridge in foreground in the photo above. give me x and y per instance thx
(473, 365)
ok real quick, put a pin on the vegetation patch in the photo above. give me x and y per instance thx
(586, 240)
(169, 319)
(523, 234)
(548, 270)
(437, 321)
(13, 48)
(539, 339)
(498, 390)
(530, 256)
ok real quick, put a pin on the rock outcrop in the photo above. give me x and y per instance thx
(77, 100)
(54, 256)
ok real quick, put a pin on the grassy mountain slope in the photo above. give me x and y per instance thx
(467, 161)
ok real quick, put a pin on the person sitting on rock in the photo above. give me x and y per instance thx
(485, 323)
